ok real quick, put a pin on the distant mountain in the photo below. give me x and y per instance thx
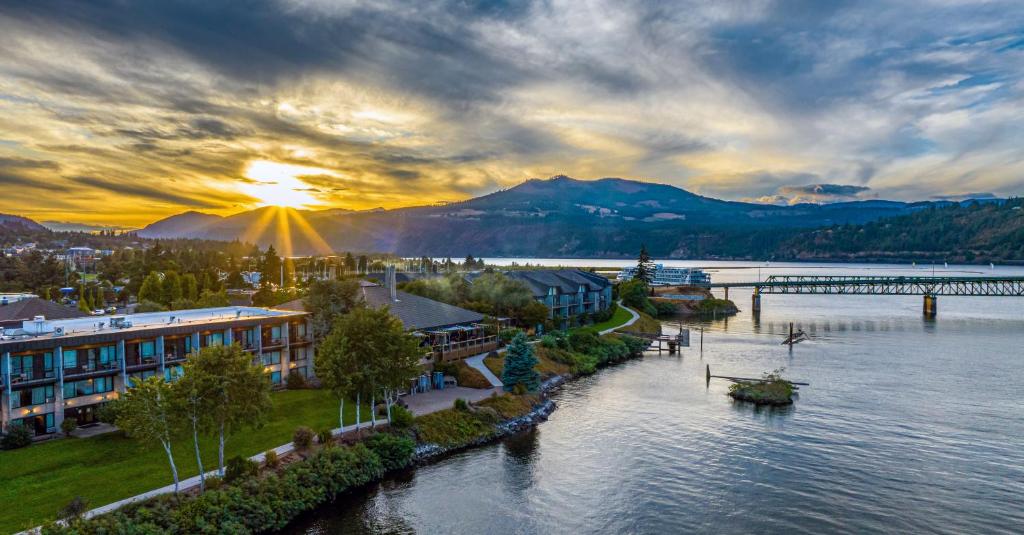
(18, 223)
(559, 216)
(185, 225)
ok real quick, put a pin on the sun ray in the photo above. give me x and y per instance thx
(284, 232)
(311, 234)
(254, 232)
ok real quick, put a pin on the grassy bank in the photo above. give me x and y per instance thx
(619, 317)
(43, 478)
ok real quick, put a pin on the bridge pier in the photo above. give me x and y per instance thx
(755, 302)
(931, 306)
(726, 293)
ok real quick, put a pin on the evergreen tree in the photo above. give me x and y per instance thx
(644, 266)
(270, 270)
(519, 365)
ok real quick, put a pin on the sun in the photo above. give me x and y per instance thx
(278, 184)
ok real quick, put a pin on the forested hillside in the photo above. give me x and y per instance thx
(978, 232)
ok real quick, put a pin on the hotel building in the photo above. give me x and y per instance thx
(51, 370)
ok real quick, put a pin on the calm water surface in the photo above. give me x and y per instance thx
(908, 426)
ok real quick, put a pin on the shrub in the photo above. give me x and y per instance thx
(664, 308)
(67, 426)
(460, 405)
(506, 335)
(401, 417)
(325, 437)
(18, 436)
(108, 412)
(271, 459)
(255, 505)
(149, 306)
(295, 381)
(394, 451)
(213, 483)
(74, 509)
(302, 438)
(452, 428)
(239, 468)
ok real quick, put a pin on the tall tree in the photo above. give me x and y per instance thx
(146, 412)
(237, 393)
(193, 407)
(270, 268)
(171, 287)
(189, 287)
(151, 289)
(519, 366)
(327, 300)
(644, 266)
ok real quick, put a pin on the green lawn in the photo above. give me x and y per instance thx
(39, 480)
(620, 317)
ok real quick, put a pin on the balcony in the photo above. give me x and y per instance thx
(92, 368)
(467, 348)
(143, 363)
(272, 342)
(33, 375)
(173, 356)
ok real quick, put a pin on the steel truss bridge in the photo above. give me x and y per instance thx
(929, 287)
(860, 285)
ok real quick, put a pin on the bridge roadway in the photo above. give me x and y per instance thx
(929, 287)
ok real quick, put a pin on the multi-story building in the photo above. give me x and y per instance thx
(567, 292)
(670, 276)
(51, 370)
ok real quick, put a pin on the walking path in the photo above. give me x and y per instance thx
(631, 321)
(478, 363)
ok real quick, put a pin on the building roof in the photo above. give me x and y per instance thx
(419, 313)
(565, 280)
(416, 313)
(13, 314)
(91, 326)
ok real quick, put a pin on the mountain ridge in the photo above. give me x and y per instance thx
(539, 217)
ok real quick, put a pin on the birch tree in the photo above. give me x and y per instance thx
(147, 414)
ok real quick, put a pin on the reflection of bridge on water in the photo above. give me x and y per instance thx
(929, 287)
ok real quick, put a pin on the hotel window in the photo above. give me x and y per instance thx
(215, 339)
(301, 370)
(32, 367)
(173, 372)
(70, 358)
(35, 396)
(188, 344)
(275, 378)
(300, 330)
(88, 387)
(275, 333)
(147, 350)
(273, 357)
(107, 355)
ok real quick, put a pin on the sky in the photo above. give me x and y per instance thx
(120, 112)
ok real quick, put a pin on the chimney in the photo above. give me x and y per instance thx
(390, 282)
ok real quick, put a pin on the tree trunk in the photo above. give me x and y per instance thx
(387, 403)
(220, 452)
(170, 458)
(341, 415)
(373, 410)
(359, 416)
(199, 460)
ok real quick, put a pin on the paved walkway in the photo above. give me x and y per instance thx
(631, 321)
(478, 363)
(439, 400)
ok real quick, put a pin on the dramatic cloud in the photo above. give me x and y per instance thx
(135, 110)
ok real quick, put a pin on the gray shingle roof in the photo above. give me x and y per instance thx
(13, 314)
(419, 313)
(416, 313)
(566, 280)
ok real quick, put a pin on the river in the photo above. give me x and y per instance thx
(909, 425)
